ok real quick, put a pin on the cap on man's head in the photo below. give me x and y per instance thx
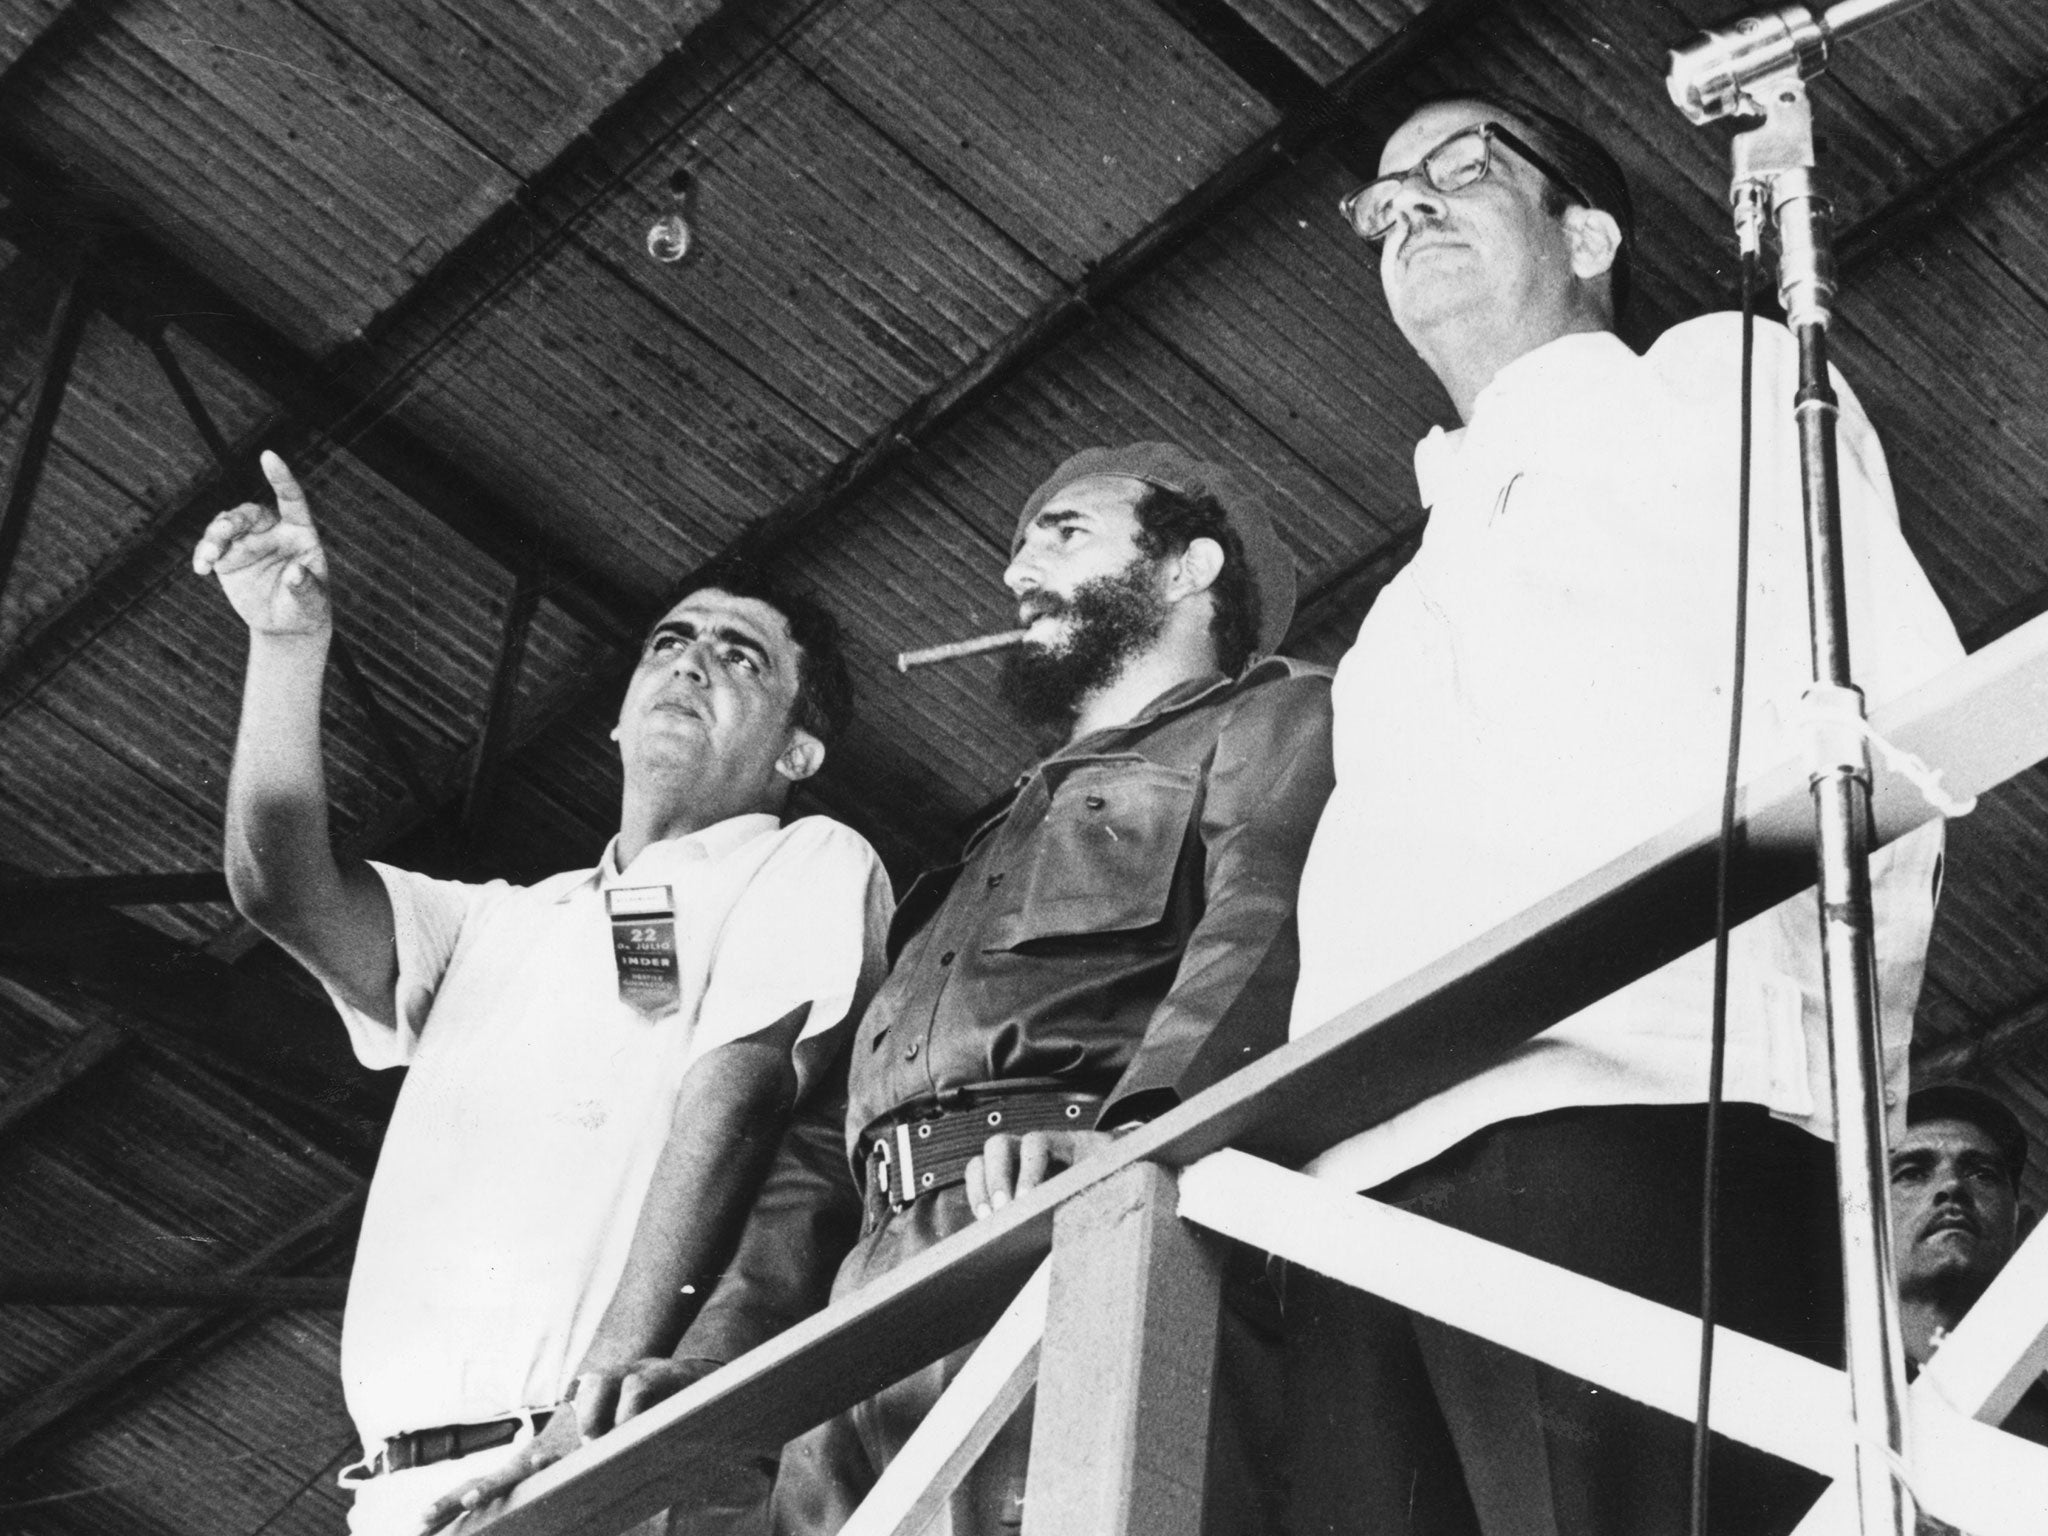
(1173, 468)
(1973, 1106)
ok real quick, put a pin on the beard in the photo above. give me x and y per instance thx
(1111, 619)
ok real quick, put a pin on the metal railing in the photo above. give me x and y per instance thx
(1122, 1313)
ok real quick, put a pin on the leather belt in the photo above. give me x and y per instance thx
(920, 1151)
(424, 1447)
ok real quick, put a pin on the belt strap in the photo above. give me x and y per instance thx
(919, 1153)
(424, 1447)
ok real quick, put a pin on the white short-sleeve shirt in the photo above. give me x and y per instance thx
(537, 1102)
(1545, 686)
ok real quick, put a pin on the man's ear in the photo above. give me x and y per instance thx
(1593, 238)
(1195, 569)
(804, 756)
(2024, 1224)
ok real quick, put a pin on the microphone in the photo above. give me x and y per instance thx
(1709, 77)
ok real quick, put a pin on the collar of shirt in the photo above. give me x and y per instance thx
(660, 862)
(1556, 370)
(1178, 699)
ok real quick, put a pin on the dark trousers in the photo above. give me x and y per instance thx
(826, 1473)
(1398, 1426)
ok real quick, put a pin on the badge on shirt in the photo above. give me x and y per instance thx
(644, 948)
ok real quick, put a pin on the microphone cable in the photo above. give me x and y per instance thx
(1710, 1178)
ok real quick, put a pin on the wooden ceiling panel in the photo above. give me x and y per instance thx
(647, 447)
(517, 78)
(256, 144)
(23, 22)
(92, 811)
(1950, 356)
(829, 262)
(1068, 123)
(248, 1440)
(1987, 947)
(76, 519)
(1323, 38)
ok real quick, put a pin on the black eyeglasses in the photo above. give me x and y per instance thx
(1455, 164)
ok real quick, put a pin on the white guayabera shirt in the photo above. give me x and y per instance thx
(537, 1102)
(1545, 686)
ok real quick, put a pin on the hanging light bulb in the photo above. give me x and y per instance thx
(670, 238)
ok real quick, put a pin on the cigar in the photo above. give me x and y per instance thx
(905, 660)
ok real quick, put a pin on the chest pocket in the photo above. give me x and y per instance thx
(1104, 857)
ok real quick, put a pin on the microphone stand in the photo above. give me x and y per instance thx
(1774, 180)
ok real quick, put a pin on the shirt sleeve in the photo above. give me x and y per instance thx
(1267, 783)
(428, 917)
(807, 931)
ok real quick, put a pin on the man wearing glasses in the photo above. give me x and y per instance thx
(1543, 687)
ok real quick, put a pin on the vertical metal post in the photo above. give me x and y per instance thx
(1778, 157)
(60, 348)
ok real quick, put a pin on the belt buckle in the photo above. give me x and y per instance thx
(881, 1165)
(894, 1168)
(906, 1171)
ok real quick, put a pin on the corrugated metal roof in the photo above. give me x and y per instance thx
(142, 1174)
(1987, 947)
(22, 23)
(254, 142)
(1950, 354)
(1326, 37)
(250, 1440)
(1070, 124)
(647, 447)
(514, 77)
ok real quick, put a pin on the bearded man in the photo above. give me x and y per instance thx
(1117, 935)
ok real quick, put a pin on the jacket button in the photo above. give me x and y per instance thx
(947, 957)
(910, 1051)
(994, 881)
(1095, 802)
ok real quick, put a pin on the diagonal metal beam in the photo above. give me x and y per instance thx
(488, 759)
(137, 890)
(227, 1288)
(60, 349)
(135, 282)
(1936, 194)
(1980, 1054)
(382, 726)
(310, 1240)
(78, 1059)
(1246, 52)
(274, 1044)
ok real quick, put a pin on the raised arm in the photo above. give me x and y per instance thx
(334, 918)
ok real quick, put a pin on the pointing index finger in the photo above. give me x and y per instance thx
(291, 500)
